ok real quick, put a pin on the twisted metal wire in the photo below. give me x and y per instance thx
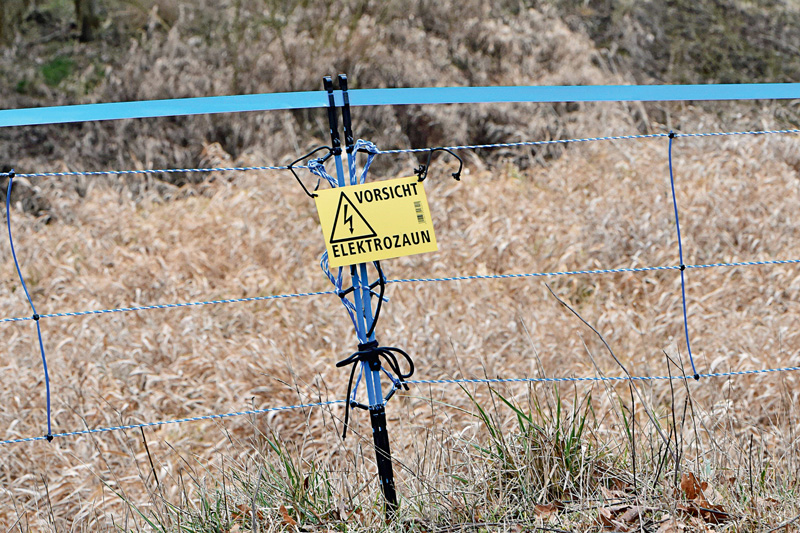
(410, 382)
(406, 280)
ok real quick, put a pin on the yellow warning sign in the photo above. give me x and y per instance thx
(375, 221)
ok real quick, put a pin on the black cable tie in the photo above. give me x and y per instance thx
(683, 267)
(49, 437)
(372, 353)
(422, 170)
(367, 346)
(345, 292)
(672, 135)
(35, 317)
(391, 393)
(354, 403)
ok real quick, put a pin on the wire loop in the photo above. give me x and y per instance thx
(322, 160)
(422, 170)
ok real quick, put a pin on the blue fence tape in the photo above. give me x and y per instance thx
(373, 97)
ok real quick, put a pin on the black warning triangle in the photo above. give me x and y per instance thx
(350, 224)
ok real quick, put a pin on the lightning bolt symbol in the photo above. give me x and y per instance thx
(348, 219)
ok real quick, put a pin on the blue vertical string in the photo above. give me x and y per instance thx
(680, 255)
(35, 317)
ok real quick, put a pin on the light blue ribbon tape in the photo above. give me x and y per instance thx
(370, 97)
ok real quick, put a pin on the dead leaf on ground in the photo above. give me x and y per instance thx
(670, 525)
(698, 525)
(633, 514)
(609, 518)
(547, 509)
(712, 514)
(691, 487)
(287, 520)
(699, 506)
(614, 494)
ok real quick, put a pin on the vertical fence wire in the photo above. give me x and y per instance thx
(680, 256)
(35, 316)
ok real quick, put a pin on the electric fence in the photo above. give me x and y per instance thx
(371, 360)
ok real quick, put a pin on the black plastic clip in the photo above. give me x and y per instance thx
(349, 141)
(381, 281)
(336, 143)
(312, 152)
(422, 171)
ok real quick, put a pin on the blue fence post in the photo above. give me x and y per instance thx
(362, 296)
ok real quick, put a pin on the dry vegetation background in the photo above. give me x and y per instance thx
(92, 243)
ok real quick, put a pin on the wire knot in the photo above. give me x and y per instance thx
(672, 135)
(372, 354)
(683, 267)
(35, 317)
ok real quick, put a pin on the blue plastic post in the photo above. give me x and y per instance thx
(362, 297)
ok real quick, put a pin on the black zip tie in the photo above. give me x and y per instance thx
(371, 353)
(422, 170)
(312, 152)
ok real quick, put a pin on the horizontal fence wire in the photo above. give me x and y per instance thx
(176, 421)
(406, 280)
(463, 381)
(148, 171)
(680, 377)
(171, 306)
(410, 150)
